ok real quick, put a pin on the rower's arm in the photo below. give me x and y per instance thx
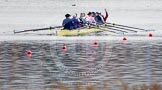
(63, 23)
(105, 18)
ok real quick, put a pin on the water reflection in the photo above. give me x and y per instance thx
(79, 56)
(83, 63)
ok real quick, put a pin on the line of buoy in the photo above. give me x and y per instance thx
(95, 43)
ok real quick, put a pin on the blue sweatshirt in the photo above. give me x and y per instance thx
(65, 21)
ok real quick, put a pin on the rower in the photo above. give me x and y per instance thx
(90, 19)
(82, 19)
(67, 22)
(99, 19)
(75, 21)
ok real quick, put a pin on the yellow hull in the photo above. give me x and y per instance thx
(77, 32)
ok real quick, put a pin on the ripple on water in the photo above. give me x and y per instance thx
(134, 61)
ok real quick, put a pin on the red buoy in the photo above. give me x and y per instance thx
(124, 38)
(64, 48)
(150, 35)
(95, 43)
(29, 53)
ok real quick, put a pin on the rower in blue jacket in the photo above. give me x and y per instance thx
(67, 22)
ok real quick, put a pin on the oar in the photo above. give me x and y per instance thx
(123, 28)
(118, 30)
(130, 27)
(40, 29)
(105, 26)
(106, 29)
